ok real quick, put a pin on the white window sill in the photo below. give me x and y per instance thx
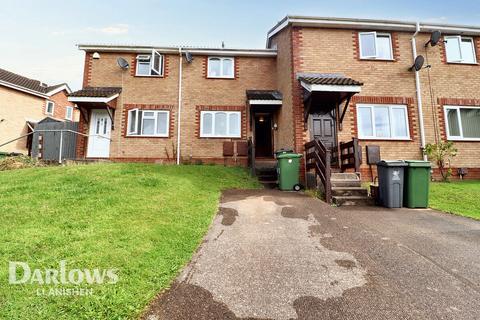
(147, 136)
(464, 139)
(222, 137)
(463, 63)
(385, 139)
(148, 76)
(376, 59)
(211, 77)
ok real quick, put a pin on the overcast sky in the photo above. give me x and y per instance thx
(38, 38)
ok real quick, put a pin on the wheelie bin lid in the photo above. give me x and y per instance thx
(418, 163)
(289, 156)
(392, 163)
(283, 150)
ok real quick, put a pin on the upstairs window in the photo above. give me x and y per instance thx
(150, 64)
(150, 123)
(460, 49)
(69, 113)
(383, 122)
(375, 45)
(49, 108)
(463, 123)
(221, 67)
(220, 124)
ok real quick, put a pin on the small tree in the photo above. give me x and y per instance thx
(442, 153)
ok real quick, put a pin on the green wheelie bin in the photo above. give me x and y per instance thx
(417, 184)
(288, 167)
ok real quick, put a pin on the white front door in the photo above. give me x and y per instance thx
(99, 136)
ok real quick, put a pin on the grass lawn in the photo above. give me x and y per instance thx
(459, 197)
(144, 220)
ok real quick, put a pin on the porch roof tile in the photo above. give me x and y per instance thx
(97, 92)
(264, 95)
(330, 80)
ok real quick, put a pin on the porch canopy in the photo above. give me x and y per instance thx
(264, 100)
(323, 93)
(96, 98)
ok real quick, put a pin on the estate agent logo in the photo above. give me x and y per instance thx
(20, 273)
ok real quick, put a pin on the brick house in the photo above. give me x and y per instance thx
(24, 102)
(336, 80)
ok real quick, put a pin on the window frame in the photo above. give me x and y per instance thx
(212, 134)
(221, 68)
(460, 39)
(372, 115)
(459, 119)
(360, 46)
(151, 58)
(53, 107)
(66, 113)
(139, 123)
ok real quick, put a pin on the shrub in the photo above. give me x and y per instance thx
(442, 153)
(19, 162)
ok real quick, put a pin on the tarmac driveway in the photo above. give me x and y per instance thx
(277, 255)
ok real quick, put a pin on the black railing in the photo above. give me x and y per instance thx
(251, 156)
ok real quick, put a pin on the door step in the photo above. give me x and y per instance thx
(353, 201)
(347, 190)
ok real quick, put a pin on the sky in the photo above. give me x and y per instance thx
(38, 38)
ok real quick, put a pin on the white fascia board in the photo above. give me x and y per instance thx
(331, 88)
(93, 99)
(194, 51)
(12, 86)
(265, 102)
(64, 87)
(472, 31)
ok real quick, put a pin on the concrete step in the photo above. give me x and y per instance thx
(350, 191)
(345, 183)
(353, 201)
(345, 176)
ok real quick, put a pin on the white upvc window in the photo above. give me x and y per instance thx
(69, 113)
(221, 67)
(462, 123)
(50, 108)
(150, 65)
(374, 45)
(220, 124)
(460, 49)
(389, 122)
(150, 123)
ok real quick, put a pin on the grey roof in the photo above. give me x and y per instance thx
(27, 83)
(96, 92)
(264, 95)
(338, 80)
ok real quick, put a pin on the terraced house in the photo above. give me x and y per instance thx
(348, 83)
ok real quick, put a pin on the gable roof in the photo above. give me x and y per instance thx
(31, 86)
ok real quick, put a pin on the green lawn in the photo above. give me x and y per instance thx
(144, 220)
(459, 197)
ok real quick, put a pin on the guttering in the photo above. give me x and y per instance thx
(32, 92)
(179, 121)
(174, 50)
(418, 88)
(265, 102)
(331, 88)
(61, 88)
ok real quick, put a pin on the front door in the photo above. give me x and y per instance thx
(263, 136)
(99, 136)
(323, 128)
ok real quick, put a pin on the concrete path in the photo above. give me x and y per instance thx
(277, 255)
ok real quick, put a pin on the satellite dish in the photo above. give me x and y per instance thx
(188, 57)
(122, 63)
(418, 65)
(434, 38)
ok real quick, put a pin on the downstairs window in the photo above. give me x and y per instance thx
(462, 123)
(150, 123)
(383, 122)
(220, 124)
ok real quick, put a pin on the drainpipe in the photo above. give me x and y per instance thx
(419, 94)
(179, 121)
